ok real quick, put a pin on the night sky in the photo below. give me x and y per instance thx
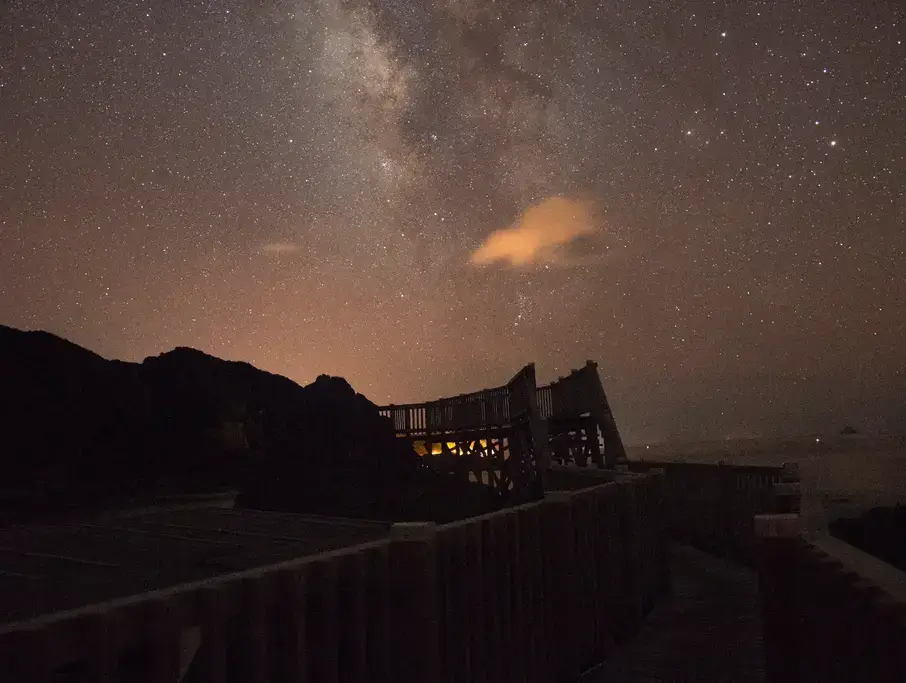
(422, 197)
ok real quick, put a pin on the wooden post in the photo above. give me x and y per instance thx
(599, 604)
(594, 446)
(163, 641)
(580, 450)
(502, 527)
(253, 634)
(490, 543)
(562, 639)
(889, 627)
(26, 655)
(518, 627)
(661, 511)
(862, 596)
(725, 521)
(353, 631)
(290, 657)
(777, 536)
(212, 653)
(322, 626)
(540, 647)
(378, 601)
(528, 592)
(476, 603)
(823, 637)
(97, 635)
(632, 616)
(583, 522)
(415, 618)
(451, 554)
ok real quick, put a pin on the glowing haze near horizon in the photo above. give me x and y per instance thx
(421, 197)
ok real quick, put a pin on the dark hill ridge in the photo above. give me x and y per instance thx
(82, 431)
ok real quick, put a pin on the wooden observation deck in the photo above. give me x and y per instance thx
(506, 437)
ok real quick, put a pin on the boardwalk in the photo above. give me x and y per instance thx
(709, 631)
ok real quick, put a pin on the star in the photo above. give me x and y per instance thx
(276, 175)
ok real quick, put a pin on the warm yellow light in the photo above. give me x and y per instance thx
(452, 447)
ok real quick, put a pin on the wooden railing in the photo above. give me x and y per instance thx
(713, 506)
(532, 593)
(577, 394)
(490, 407)
(494, 436)
(545, 402)
(546, 412)
(830, 611)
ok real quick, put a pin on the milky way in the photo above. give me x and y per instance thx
(422, 197)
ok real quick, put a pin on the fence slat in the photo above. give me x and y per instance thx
(561, 545)
(413, 556)
(353, 633)
(163, 635)
(292, 595)
(378, 602)
(211, 657)
(253, 634)
(474, 573)
(321, 624)
(496, 661)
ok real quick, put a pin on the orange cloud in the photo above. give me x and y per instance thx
(539, 234)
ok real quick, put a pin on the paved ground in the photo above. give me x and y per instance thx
(709, 631)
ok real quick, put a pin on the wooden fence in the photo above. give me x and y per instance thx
(490, 408)
(713, 506)
(541, 591)
(532, 593)
(830, 611)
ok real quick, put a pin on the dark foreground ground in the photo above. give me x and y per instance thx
(708, 631)
(46, 569)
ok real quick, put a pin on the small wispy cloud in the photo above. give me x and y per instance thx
(280, 248)
(540, 234)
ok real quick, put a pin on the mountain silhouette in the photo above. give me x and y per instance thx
(80, 432)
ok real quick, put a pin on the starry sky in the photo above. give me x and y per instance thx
(705, 198)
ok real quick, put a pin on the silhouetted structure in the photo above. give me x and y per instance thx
(580, 421)
(81, 432)
(506, 437)
(494, 437)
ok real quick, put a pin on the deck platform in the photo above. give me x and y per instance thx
(708, 631)
(46, 569)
